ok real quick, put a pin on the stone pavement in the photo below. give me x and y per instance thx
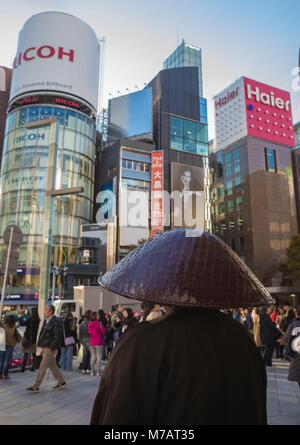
(73, 405)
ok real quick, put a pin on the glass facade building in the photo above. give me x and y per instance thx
(188, 136)
(130, 115)
(186, 55)
(23, 184)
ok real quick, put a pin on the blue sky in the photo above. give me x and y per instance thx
(259, 39)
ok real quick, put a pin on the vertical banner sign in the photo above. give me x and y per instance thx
(157, 188)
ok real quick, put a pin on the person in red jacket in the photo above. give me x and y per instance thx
(96, 331)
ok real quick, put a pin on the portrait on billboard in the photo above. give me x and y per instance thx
(187, 196)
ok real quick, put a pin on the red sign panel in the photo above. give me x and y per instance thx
(269, 113)
(157, 213)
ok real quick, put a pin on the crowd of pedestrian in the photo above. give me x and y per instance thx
(272, 327)
(92, 338)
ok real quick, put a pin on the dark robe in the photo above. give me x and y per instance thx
(192, 367)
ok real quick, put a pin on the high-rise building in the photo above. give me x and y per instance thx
(166, 122)
(55, 76)
(186, 55)
(252, 192)
(5, 81)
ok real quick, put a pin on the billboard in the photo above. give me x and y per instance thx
(106, 199)
(131, 115)
(269, 113)
(248, 107)
(57, 52)
(188, 202)
(157, 189)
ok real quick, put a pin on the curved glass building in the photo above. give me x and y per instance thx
(67, 93)
(23, 185)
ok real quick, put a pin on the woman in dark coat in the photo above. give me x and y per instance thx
(196, 365)
(293, 330)
(269, 334)
(29, 339)
(128, 320)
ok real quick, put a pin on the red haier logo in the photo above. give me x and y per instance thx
(267, 99)
(229, 96)
(43, 52)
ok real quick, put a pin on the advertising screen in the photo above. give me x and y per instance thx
(187, 196)
(57, 52)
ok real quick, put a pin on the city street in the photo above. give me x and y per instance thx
(73, 405)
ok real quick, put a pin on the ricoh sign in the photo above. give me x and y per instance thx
(57, 52)
(251, 108)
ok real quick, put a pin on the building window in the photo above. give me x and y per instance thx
(270, 156)
(213, 194)
(240, 223)
(220, 165)
(188, 136)
(231, 225)
(221, 191)
(237, 184)
(236, 161)
(239, 202)
(232, 244)
(221, 208)
(228, 170)
(229, 188)
(222, 227)
(230, 206)
(112, 171)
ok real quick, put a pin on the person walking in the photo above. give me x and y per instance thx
(281, 343)
(194, 366)
(128, 320)
(102, 318)
(12, 337)
(70, 338)
(291, 336)
(269, 334)
(50, 339)
(29, 339)
(256, 329)
(96, 331)
(116, 320)
(84, 340)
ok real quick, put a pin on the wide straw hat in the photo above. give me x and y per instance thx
(189, 268)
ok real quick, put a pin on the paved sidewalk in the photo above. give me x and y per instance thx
(73, 405)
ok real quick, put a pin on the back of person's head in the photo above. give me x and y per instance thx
(286, 303)
(101, 315)
(94, 316)
(34, 314)
(10, 321)
(113, 308)
(297, 310)
(87, 314)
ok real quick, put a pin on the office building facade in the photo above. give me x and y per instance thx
(186, 55)
(252, 191)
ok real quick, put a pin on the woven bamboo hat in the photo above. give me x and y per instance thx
(189, 268)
